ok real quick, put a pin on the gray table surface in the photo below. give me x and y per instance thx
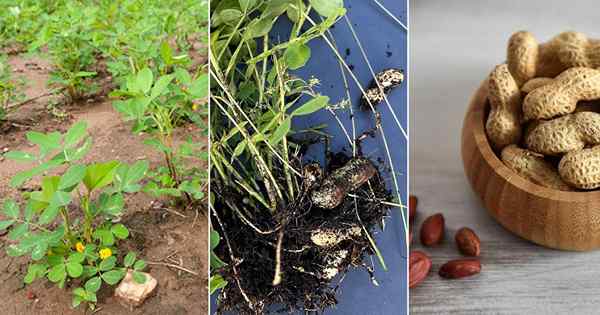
(454, 45)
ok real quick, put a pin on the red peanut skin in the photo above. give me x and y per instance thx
(419, 266)
(460, 268)
(432, 230)
(468, 242)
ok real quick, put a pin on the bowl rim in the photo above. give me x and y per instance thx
(477, 115)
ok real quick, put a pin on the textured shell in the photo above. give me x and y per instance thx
(533, 167)
(581, 169)
(340, 182)
(535, 83)
(571, 132)
(503, 123)
(561, 96)
(555, 137)
(549, 63)
(522, 56)
(577, 50)
(331, 237)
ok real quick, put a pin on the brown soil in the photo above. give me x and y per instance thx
(159, 234)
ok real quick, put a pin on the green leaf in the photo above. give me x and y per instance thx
(129, 259)
(259, 28)
(229, 16)
(35, 271)
(11, 209)
(74, 154)
(48, 215)
(39, 251)
(215, 239)
(18, 231)
(21, 177)
(76, 257)
(127, 177)
(120, 231)
(20, 156)
(139, 265)
(6, 224)
(99, 175)
(47, 142)
(72, 177)
(144, 80)
(247, 4)
(166, 53)
(57, 273)
(84, 74)
(113, 277)
(281, 131)
(108, 263)
(161, 85)
(93, 285)
(105, 236)
(75, 134)
(216, 282)
(15, 251)
(139, 277)
(311, 106)
(76, 300)
(327, 8)
(199, 88)
(74, 269)
(111, 204)
(296, 55)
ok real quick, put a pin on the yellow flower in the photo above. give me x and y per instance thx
(79, 247)
(195, 107)
(105, 253)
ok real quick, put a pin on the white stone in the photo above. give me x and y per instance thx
(133, 293)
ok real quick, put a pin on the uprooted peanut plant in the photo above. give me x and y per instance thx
(294, 224)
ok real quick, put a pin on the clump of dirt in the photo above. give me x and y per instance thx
(307, 270)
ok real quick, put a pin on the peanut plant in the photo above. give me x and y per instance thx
(84, 199)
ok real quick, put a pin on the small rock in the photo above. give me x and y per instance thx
(132, 293)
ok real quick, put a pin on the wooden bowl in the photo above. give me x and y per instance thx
(552, 218)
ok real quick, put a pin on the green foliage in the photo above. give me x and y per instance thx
(74, 249)
(158, 104)
(216, 280)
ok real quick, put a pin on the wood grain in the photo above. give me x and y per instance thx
(556, 219)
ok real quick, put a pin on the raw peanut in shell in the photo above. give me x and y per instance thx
(577, 50)
(468, 242)
(328, 237)
(503, 126)
(432, 230)
(522, 55)
(568, 133)
(419, 266)
(340, 182)
(561, 96)
(388, 79)
(460, 268)
(534, 84)
(412, 207)
(527, 59)
(533, 167)
(581, 169)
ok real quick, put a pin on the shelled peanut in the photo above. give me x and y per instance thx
(542, 120)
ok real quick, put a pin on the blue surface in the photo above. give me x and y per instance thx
(385, 43)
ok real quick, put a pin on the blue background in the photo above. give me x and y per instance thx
(385, 43)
